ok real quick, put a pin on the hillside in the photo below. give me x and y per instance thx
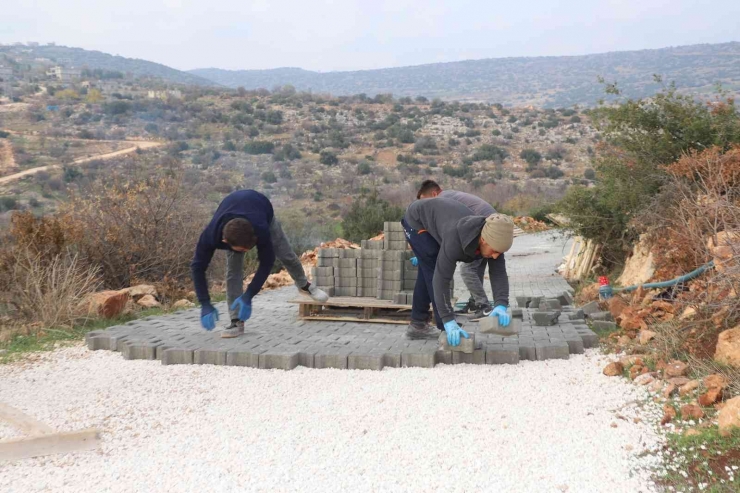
(540, 81)
(78, 57)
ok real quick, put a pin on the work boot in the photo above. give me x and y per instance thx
(315, 293)
(481, 310)
(420, 330)
(235, 329)
(469, 308)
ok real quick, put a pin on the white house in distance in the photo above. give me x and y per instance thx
(170, 93)
(64, 74)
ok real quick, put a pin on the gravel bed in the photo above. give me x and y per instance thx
(558, 425)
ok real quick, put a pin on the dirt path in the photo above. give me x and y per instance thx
(7, 160)
(137, 144)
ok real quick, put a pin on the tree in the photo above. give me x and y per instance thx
(259, 147)
(364, 168)
(490, 152)
(328, 157)
(589, 174)
(269, 177)
(366, 216)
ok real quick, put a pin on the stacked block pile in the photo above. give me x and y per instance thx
(380, 269)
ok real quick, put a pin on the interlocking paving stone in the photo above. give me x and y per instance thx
(276, 338)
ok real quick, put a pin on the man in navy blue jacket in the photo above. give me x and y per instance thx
(243, 220)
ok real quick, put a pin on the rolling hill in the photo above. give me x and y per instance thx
(539, 81)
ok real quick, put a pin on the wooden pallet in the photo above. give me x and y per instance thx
(41, 438)
(353, 309)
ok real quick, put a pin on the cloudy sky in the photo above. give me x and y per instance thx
(330, 35)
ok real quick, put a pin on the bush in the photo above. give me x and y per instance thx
(4, 134)
(269, 177)
(366, 216)
(8, 204)
(287, 152)
(531, 156)
(589, 174)
(363, 168)
(328, 157)
(259, 147)
(490, 152)
(425, 145)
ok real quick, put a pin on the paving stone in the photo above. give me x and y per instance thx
(603, 325)
(465, 346)
(210, 356)
(501, 355)
(490, 325)
(575, 345)
(591, 307)
(517, 313)
(279, 358)
(373, 359)
(522, 301)
(527, 350)
(552, 350)
(390, 275)
(418, 359)
(601, 316)
(244, 357)
(177, 356)
(477, 357)
(345, 282)
(542, 319)
(140, 350)
(328, 358)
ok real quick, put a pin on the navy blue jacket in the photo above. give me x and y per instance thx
(245, 204)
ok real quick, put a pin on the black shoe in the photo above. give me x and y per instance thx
(469, 308)
(482, 310)
(419, 330)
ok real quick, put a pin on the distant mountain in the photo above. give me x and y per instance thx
(78, 57)
(540, 81)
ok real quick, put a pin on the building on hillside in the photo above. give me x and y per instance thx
(6, 81)
(64, 74)
(170, 93)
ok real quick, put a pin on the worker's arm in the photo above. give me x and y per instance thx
(443, 273)
(499, 280)
(266, 257)
(202, 258)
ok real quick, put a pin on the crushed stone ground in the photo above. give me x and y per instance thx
(557, 425)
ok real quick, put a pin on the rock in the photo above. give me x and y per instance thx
(107, 304)
(656, 386)
(687, 313)
(723, 248)
(688, 388)
(632, 359)
(141, 290)
(668, 414)
(710, 397)
(616, 306)
(148, 301)
(676, 369)
(679, 381)
(624, 340)
(635, 370)
(728, 348)
(544, 319)
(729, 416)
(639, 268)
(669, 390)
(646, 336)
(691, 411)
(644, 379)
(179, 304)
(715, 381)
(613, 369)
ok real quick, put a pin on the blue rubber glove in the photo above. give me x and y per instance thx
(244, 305)
(415, 261)
(208, 316)
(503, 316)
(454, 332)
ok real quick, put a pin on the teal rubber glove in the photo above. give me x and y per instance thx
(244, 305)
(415, 261)
(208, 316)
(503, 316)
(454, 332)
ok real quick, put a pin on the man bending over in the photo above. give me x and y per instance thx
(441, 233)
(243, 220)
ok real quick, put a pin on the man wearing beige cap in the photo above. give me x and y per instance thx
(441, 233)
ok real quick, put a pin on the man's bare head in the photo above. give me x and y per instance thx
(428, 190)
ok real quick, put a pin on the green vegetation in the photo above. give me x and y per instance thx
(366, 216)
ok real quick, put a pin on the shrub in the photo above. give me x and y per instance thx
(490, 152)
(259, 147)
(328, 157)
(363, 168)
(589, 174)
(366, 216)
(269, 177)
(287, 152)
(8, 203)
(531, 156)
(425, 145)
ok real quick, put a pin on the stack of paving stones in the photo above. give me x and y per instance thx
(273, 338)
(380, 269)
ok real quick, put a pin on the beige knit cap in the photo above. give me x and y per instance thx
(498, 232)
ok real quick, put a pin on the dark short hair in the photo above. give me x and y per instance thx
(240, 233)
(426, 187)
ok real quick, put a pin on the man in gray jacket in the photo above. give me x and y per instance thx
(472, 273)
(441, 233)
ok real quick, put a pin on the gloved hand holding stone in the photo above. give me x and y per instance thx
(208, 316)
(503, 316)
(244, 305)
(414, 261)
(454, 332)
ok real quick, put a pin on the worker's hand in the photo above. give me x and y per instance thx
(503, 316)
(244, 305)
(454, 332)
(415, 261)
(208, 316)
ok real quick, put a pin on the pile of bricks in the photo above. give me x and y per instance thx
(381, 269)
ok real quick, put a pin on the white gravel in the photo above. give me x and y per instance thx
(537, 426)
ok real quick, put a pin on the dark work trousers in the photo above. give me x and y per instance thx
(425, 249)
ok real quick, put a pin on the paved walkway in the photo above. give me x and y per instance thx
(275, 338)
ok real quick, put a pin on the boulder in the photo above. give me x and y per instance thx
(148, 301)
(640, 267)
(668, 414)
(729, 416)
(632, 359)
(710, 397)
(728, 347)
(715, 381)
(179, 304)
(141, 290)
(107, 304)
(669, 390)
(679, 381)
(676, 369)
(613, 369)
(646, 336)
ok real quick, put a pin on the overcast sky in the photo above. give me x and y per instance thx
(330, 35)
